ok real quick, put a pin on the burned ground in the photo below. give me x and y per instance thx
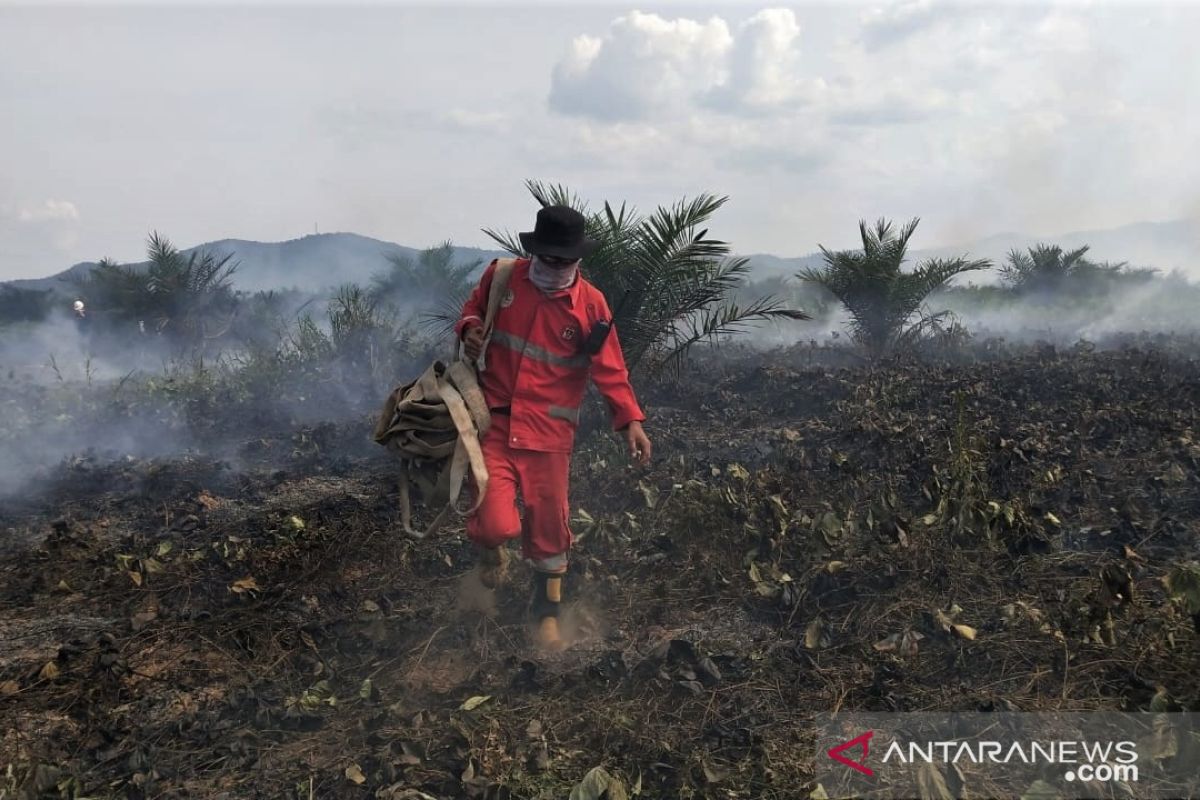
(997, 533)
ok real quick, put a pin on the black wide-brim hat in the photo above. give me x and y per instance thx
(559, 231)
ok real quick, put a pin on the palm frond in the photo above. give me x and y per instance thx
(556, 194)
(441, 320)
(509, 242)
(711, 324)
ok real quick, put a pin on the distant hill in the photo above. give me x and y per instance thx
(319, 261)
(312, 263)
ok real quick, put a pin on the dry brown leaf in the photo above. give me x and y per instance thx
(354, 773)
(472, 703)
(714, 774)
(965, 631)
(888, 645)
(908, 643)
(946, 622)
(812, 634)
(247, 584)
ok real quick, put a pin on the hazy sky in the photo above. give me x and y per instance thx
(419, 123)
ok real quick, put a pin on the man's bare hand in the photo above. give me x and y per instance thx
(639, 443)
(473, 342)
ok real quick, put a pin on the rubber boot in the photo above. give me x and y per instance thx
(546, 601)
(493, 566)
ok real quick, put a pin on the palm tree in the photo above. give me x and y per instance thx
(1044, 268)
(193, 297)
(1047, 268)
(112, 289)
(188, 299)
(433, 276)
(881, 297)
(669, 284)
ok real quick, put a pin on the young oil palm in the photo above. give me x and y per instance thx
(423, 281)
(1043, 268)
(881, 297)
(189, 299)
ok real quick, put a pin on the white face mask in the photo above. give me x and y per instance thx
(550, 279)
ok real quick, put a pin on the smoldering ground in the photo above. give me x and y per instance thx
(266, 633)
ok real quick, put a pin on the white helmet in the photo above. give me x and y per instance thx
(79, 305)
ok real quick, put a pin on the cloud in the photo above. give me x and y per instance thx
(1029, 116)
(763, 66)
(1062, 32)
(460, 119)
(650, 68)
(643, 67)
(884, 26)
(49, 211)
(889, 102)
(653, 70)
(34, 238)
(764, 159)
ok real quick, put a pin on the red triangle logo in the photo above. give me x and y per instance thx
(863, 741)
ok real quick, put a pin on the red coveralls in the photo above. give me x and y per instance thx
(534, 368)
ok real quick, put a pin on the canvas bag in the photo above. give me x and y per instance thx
(435, 422)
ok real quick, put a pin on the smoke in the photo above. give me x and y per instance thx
(582, 620)
(110, 390)
(57, 349)
(1103, 310)
(113, 388)
(474, 597)
(1158, 305)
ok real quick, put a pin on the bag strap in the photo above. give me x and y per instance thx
(499, 287)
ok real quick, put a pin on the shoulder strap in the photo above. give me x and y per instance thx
(496, 292)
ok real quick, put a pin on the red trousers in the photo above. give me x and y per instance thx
(542, 480)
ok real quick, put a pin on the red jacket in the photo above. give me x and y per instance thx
(533, 363)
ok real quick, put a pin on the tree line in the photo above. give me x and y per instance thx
(671, 283)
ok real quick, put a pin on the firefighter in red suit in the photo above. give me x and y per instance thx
(534, 377)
